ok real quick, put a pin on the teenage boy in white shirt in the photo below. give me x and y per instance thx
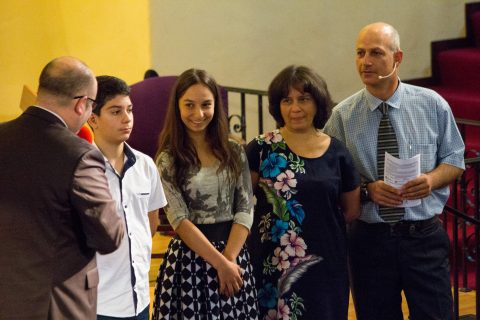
(123, 290)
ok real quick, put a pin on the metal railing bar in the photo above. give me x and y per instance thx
(242, 110)
(457, 213)
(456, 307)
(472, 160)
(247, 91)
(260, 113)
(463, 226)
(469, 122)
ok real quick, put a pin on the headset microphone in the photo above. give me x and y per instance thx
(390, 74)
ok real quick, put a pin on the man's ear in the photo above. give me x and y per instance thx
(398, 56)
(80, 106)
(92, 121)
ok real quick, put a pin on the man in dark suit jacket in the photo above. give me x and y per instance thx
(56, 210)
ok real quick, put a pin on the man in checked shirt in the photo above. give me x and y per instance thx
(408, 251)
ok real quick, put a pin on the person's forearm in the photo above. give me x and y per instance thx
(443, 175)
(236, 239)
(197, 242)
(154, 221)
(350, 204)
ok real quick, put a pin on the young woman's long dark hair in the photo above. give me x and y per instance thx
(174, 137)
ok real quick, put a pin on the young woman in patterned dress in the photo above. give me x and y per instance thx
(206, 272)
(306, 188)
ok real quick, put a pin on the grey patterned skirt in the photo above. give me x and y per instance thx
(187, 287)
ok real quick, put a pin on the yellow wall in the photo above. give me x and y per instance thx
(111, 36)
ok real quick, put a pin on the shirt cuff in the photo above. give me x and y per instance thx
(244, 218)
(456, 161)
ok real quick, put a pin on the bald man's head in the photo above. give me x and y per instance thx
(388, 33)
(65, 78)
(378, 57)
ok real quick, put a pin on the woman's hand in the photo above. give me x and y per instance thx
(229, 278)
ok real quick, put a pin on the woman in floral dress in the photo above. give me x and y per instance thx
(307, 189)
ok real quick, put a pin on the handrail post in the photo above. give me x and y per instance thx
(242, 111)
(260, 114)
(476, 194)
(455, 266)
(463, 206)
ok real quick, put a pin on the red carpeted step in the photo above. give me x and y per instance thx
(460, 68)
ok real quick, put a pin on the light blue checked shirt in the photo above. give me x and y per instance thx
(424, 125)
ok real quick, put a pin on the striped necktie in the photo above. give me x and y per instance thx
(387, 142)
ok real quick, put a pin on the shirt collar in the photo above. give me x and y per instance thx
(129, 158)
(56, 115)
(394, 101)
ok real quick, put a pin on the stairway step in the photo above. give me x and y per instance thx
(460, 68)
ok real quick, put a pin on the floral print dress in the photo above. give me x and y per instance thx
(298, 241)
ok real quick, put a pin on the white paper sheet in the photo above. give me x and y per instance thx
(399, 171)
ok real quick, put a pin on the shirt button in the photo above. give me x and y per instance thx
(411, 229)
(126, 206)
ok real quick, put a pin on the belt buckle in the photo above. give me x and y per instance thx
(411, 228)
(404, 228)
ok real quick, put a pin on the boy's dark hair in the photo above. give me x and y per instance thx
(108, 88)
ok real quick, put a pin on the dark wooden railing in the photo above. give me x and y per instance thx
(461, 218)
(238, 122)
(463, 211)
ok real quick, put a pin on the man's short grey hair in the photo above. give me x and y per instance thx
(395, 39)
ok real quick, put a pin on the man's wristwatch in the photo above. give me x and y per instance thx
(364, 196)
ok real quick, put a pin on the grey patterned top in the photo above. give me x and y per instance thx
(208, 197)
